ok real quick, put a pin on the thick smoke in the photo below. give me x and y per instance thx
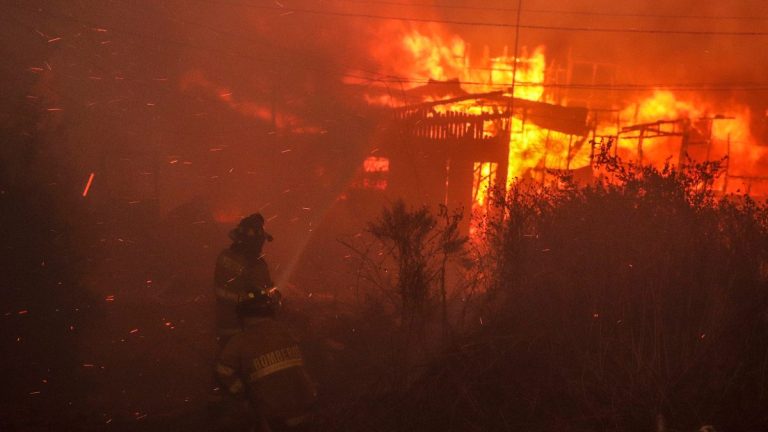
(647, 57)
(188, 114)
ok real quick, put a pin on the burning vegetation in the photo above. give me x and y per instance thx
(486, 216)
(634, 303)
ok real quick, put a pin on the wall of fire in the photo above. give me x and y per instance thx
(453, 151)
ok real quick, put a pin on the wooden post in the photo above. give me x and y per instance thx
(686, 133)
(727, 166)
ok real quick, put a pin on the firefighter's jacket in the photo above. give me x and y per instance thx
(236, 274)
(264, 363)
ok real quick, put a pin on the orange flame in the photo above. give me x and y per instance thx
(430, 53)
(717, 130)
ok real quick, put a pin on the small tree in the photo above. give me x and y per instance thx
(635, 302)
(420, 245)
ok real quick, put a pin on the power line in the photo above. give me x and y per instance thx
(600, 87)
(279, 49)
(289, 10)
(393, 79)
(386, 78)
(561, 12)
(141, 40)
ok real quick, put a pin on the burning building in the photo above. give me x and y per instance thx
(453, 150)
(470, 126)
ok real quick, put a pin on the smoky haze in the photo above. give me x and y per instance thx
(171, 67)
(647, 57)
(136, 134)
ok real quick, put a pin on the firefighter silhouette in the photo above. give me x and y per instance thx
(263, 367)
(240, 269)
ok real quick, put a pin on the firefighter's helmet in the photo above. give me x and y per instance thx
(250, 228)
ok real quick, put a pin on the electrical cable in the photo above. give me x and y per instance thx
(290, 10)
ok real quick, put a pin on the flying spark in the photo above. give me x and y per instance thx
(88, 185)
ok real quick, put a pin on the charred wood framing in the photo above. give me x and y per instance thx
(434, 145)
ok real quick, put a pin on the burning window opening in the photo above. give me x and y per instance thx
(375, 173)
(484, 179)
(375, 164)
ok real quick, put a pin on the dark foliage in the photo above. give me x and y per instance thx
(413, 240)
(632, 303)
(44, 305)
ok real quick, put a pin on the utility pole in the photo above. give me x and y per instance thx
(511, 106)
(517, 47)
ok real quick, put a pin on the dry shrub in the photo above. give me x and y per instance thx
(638, 299)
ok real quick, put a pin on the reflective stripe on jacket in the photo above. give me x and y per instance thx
(268, 361)
(235, 275)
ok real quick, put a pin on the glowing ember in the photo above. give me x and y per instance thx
(88, 184)
(376, 164)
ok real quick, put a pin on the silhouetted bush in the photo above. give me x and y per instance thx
(45, 305)
(639, 301)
